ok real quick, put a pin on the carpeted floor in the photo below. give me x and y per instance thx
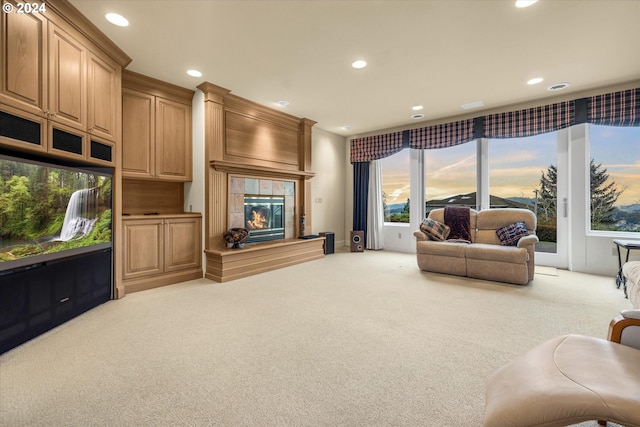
(354, 339)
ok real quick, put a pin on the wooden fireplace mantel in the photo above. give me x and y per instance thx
(262, 171)
(246, 139)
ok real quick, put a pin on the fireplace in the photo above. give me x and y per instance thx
(264, 217)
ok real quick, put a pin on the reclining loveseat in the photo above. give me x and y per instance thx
(485, 252)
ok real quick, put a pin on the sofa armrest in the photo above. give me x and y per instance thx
(420, 236)
(531, 239)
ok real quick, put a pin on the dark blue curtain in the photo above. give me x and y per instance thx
(360, 196)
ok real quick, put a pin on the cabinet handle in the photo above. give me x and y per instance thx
(65, 299)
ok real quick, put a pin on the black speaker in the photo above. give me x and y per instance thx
(329, 241)
(357, 241)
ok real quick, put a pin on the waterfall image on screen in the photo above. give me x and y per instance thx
(48, 211)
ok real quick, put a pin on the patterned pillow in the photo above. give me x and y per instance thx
(510, 234)
(434, 230)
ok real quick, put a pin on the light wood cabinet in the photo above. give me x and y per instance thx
(182, 249)
(24, 59)
(103, 88)
(173, 140)
(138, 130)
(67, 79)
(143, 248)
(161, 250)
(54, 78)
(156, 134)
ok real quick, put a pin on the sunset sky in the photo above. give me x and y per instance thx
(516, 165)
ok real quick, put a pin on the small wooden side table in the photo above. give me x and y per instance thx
(629, 245)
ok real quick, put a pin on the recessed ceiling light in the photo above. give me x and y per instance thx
(359, 64)
(558, 86)
(417, 116)
(417, 107)
(194, 73)
(346, 127)
(283, 103)
(116, 19)
(474, 104)
(525, 3)
(535, 81)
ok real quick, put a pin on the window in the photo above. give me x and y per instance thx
(450, 176)
(523, 174)
(395, 187)
(614, 178)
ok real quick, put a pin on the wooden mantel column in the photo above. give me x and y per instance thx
(215, 219)
(305, 166)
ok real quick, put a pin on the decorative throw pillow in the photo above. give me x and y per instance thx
(510, 234)
(434, 230)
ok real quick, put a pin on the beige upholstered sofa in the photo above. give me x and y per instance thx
(485, 257)
(631, 274)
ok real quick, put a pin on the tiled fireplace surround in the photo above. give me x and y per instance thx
(240, 186)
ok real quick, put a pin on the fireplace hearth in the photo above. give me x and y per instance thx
(264, 217)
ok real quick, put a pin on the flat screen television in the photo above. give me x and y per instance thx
(50, 211)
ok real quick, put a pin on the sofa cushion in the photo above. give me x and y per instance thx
(483, 251)
(435, 230)
(489, 220)
(449, 249)
(510, 234)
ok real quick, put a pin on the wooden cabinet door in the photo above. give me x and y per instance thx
(67, 79)
(23, 61)
(183, 247)
(103, 96)
(173, 140)
(138, 134)
(143, 248)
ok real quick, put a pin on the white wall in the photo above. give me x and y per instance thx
(398, 237)
(328, 184)
(194, 197)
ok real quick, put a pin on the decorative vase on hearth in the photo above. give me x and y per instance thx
(236, 237)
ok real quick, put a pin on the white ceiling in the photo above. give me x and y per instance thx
(436, 53)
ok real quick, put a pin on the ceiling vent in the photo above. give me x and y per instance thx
(558, 86)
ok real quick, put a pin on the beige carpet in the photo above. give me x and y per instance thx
(354, 339)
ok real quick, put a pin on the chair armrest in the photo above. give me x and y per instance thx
(617, 326)
(531, 239)
(420, 236)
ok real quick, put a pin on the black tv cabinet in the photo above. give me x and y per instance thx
(39, 297)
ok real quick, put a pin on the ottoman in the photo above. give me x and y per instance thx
(566, 380)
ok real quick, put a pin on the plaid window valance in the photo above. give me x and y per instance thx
(375, 147)
(444, 135)
(615, 109)
(612, 109)
(532, 121)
